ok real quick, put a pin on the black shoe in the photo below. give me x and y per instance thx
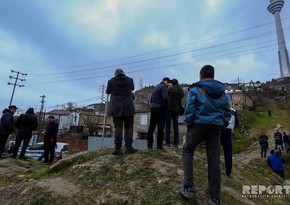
(130, 150)
(150, 147)
(117, 152)
(160, 148)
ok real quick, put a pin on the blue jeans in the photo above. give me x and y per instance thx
(174, 117)
(286, 145)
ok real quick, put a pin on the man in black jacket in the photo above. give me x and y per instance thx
(175, 95)
(25, 124)
(6, 126)
(122, 109)
(50, 140)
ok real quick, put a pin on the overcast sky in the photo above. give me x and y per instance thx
(70, 48)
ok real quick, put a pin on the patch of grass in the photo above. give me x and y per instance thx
(47, 198)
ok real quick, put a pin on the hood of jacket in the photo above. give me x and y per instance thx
(121, 80)
(213, 88)
(5, 111)
(30, 111)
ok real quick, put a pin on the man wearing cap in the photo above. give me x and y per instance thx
(121, 108)
(207, 111)
(6, 126)
(158, 108)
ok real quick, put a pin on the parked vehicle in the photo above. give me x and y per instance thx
(36, 150)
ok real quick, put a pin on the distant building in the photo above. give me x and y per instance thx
(239, 99)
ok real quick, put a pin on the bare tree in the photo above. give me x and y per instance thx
(91, 122)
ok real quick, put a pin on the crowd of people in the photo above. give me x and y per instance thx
(26, 123)
(207, 115)
(275, 159)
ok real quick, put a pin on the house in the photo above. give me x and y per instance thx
(239, 99)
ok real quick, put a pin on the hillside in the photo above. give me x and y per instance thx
(149, 176)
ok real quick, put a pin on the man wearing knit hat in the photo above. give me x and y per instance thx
(121, 108)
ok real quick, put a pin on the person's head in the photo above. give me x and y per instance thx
(272, 151)
(174, 81)
(166, 81)
(119, 71)
(50, 118)
(206, 71)
(12, 108)
(30, 111)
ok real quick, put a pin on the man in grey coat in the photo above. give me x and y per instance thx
(121, 108)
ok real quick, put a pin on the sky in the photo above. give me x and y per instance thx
(69, 49)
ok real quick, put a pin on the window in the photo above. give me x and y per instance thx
(143, 120)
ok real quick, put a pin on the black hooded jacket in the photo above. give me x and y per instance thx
(7, 122)
(121, 103)
(26, 123)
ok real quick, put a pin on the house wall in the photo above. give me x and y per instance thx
(239, 100)
(141, 125)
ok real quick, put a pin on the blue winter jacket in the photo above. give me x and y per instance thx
(276, 162)
(207, 104)
(159, 96)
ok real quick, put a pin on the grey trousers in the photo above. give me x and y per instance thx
(126, 123)
(194, 136)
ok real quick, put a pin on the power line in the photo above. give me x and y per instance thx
(160, 50)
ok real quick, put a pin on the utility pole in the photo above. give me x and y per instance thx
(15, 83)
(102, 89)
(41, 114)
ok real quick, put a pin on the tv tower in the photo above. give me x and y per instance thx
(275, 7)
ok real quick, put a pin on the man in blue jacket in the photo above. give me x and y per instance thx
(6, 126)
(207, 111)
(275, 161)
(159, 104)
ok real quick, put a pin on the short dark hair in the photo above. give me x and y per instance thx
(174, 81)
(166, 79)
(272, 151)
(207, 71)
(50, 117)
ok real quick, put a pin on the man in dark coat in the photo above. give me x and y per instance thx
(50, 140)
(278, 140)
(263, 141)
(175, 95)
(6, 126)
(121, 108)
(25, 124)
(159, 104)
